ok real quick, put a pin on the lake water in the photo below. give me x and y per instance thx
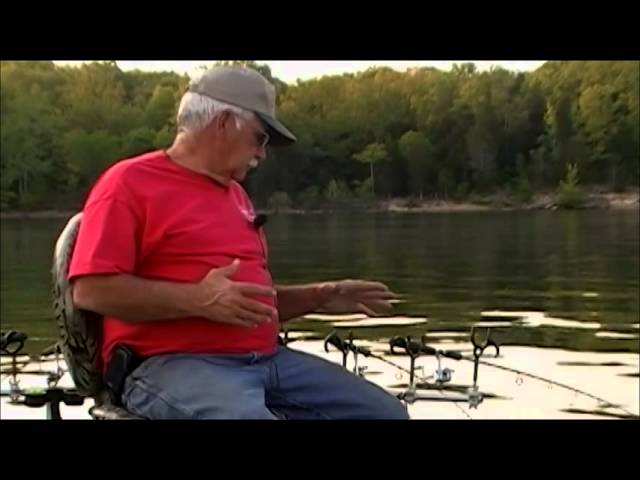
(545, 281)
(550, 279)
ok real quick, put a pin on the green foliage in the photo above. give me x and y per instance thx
(279, 200)
(372, 154)
(62, 126)
(461, 191)
(569, 194)
(337, 193)
(89, 153)
(310, 198)
(416, 149)
(523, 190)
(363, 190)
(7, 199)
(337, 190)
(164, 138)
(138, 141)
(160, 108)
(375, 133)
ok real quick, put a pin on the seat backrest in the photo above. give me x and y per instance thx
(80, 330)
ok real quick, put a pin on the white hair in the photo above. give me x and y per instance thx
(196, 111)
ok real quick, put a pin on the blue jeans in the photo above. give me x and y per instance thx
(286, 385)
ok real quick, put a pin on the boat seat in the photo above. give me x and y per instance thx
(80, 332)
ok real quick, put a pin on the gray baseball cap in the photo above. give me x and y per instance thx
(245, 88)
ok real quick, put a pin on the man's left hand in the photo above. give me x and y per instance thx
(351, 296)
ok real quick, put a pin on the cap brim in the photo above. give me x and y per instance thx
(280, 135)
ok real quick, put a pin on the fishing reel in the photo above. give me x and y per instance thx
(11, 344)
(416, 349)
(346, 347)
(442, 375)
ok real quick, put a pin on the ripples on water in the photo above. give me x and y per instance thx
(549, 279)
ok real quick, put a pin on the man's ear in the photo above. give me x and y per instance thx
(220, 125)
(225, 120)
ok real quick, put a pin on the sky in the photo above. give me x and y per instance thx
(291, 70)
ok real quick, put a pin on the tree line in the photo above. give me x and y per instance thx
(362, 136)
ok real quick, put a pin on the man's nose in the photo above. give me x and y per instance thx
(261, 152)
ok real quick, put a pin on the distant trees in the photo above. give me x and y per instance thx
(376, 133)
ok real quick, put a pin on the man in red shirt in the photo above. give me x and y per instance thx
(170, 254)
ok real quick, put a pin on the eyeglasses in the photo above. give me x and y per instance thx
(262, 138)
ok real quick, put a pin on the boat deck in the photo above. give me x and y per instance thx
(612, 376)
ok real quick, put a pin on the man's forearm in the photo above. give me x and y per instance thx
(134, 299)
(296, 300)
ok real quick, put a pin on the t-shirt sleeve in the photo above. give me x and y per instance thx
(109, 232)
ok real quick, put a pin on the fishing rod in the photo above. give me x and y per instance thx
(415, 349)
(349, 346)
(410, 395)
(11, 343)
(488, 342)
(601, 400)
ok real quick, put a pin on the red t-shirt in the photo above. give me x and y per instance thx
(150, 217)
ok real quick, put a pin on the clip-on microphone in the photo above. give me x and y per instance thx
(259, 220)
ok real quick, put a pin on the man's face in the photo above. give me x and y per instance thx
(247, 146)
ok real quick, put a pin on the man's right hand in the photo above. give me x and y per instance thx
(222, 300)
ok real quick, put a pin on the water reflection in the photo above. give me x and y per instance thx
(545, 282)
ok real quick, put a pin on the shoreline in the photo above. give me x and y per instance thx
(501, 202)
(495, 203)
